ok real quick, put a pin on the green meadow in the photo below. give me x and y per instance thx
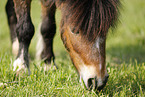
(125, 59)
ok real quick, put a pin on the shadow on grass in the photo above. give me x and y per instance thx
(129, 53)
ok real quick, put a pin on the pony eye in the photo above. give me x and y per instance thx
(74, 31)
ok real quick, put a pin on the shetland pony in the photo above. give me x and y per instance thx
(84, 27)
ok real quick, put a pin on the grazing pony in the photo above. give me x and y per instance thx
(84, 26)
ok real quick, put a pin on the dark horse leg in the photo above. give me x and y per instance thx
(24, 31)
(48, 30)
(12, 21)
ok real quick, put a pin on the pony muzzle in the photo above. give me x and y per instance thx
(94, 83)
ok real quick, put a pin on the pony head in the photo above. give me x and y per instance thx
(84, 28)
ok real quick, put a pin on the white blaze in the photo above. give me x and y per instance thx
(98, 42)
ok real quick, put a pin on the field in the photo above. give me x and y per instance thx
(125, 52)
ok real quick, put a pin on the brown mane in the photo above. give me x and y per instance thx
(92, 17)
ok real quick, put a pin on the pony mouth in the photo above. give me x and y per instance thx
(95, 84)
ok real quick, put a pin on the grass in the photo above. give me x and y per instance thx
(125, 60)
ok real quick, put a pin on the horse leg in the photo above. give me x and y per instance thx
(12, 21)
(25, 32)
(48, 30)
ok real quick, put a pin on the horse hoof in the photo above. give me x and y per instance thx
(49, 67)
(18, 65)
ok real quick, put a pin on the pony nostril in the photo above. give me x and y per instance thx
(89, 83)
(92, 83)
